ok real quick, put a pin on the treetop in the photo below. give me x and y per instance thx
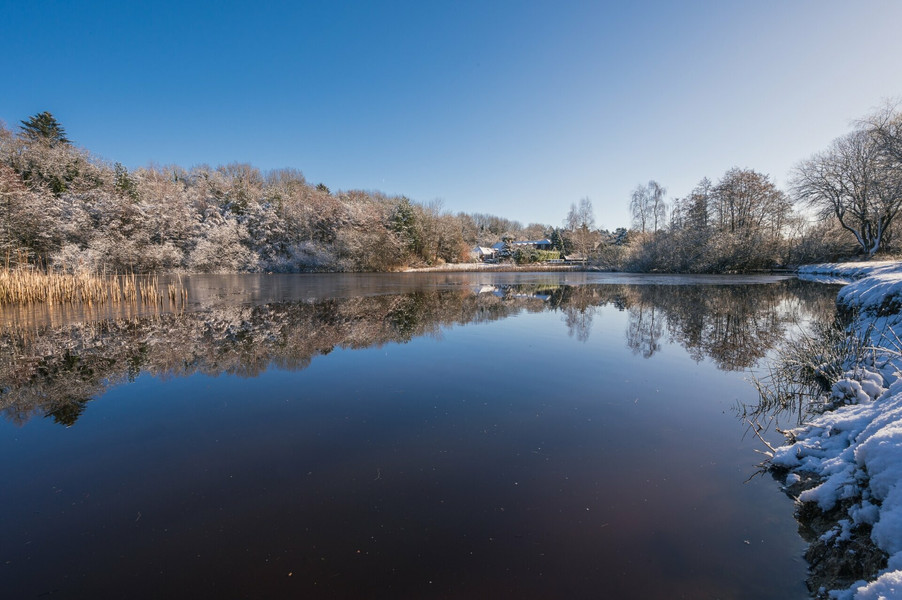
(43, 127)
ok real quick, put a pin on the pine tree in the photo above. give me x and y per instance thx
(557, 240)
(404, 224)
(125, 183)
(43, 127)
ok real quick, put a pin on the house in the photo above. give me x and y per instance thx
(544, 244)
(482, 253)
(537, 244)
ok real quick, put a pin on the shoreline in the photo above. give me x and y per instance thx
(539, 267)
(843, 466)
(499, 268)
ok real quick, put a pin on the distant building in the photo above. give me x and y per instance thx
(482, 253)
(537, 244)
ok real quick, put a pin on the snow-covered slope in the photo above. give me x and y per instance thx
(855, 450)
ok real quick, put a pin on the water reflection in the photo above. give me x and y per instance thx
(733, 325)
(55, 369)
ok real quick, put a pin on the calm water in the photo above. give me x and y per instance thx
(399, 436)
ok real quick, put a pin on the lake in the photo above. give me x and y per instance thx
(548, 435)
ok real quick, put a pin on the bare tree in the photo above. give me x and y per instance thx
(748, 203)
(581, 216)
(886, 125)
(658, 207)
(858, 180)
(580, 222)
(648, 207)
(696, 207)
(639, 208)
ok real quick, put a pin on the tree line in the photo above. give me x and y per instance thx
(842, 202)
(62, 207)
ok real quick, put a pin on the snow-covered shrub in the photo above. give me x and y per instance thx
(73, 259)
(305, 256)
(222, 250)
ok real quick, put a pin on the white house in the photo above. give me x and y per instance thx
(482, 253)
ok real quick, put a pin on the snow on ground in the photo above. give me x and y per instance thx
(853, 270)
(875, 288)
(855, 450)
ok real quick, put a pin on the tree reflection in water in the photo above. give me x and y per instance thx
(645, 329)
(53, 371)
(733, 325)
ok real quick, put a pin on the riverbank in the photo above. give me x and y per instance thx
(844, 465)
(498, 268)
(542, 267)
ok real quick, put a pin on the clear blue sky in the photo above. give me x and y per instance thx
(511, 108)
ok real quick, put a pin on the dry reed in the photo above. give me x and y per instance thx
(28, 285)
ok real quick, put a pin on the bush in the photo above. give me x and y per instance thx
(529, 255)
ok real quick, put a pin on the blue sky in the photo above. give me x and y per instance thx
(511, 108)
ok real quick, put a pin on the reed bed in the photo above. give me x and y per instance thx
(22, 286)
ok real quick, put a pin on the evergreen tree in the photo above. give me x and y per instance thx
(557, 241)
(43, 127)
(125, 183)
(404, 224)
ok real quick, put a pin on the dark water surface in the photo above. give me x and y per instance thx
(400, 436)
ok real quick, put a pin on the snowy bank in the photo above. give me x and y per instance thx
(853, 452)
(852, 270)
(875, 288)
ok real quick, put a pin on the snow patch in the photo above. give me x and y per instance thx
(855, 450)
